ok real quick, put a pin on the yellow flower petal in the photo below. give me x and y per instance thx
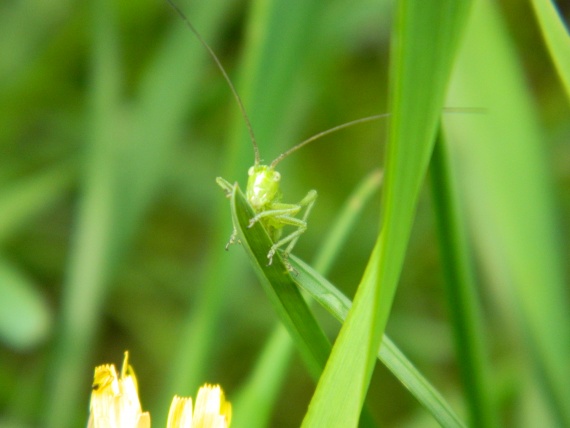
(115, 401)
(180, 414)
(211, 410)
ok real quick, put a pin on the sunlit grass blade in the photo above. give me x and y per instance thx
(507, 189)
(338, 305)
(258, 396)
(425, 38)
(280, 288)
(463, 305)
(556, 37)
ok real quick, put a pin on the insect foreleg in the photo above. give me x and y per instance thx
(291, 238)
(233, 239)
(226, 186)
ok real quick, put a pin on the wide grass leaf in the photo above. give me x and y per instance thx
(425, 38)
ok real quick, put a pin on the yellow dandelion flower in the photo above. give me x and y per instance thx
(115, 400)
(115, 403)
(211, 410)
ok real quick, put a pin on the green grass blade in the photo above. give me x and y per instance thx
(460, 286)
(507, 187)
(425, 37)
(281, 289)
(338, 305)
(556, 37)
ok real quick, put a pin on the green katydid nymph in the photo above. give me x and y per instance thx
(262, 190)
(264, 196)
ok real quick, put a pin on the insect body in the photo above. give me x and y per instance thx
(264, 196)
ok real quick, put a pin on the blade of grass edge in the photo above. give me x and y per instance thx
(419, 77)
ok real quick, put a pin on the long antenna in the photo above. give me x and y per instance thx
(363, 120)
(219, 64)
(327, 132)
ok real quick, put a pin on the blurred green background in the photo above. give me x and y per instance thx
(115, 124)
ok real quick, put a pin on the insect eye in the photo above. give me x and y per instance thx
(250, 171)
(276, 176)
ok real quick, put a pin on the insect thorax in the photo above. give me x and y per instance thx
(262, 187)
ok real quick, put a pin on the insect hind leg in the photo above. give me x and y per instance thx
(226, 186)
(308, 201)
